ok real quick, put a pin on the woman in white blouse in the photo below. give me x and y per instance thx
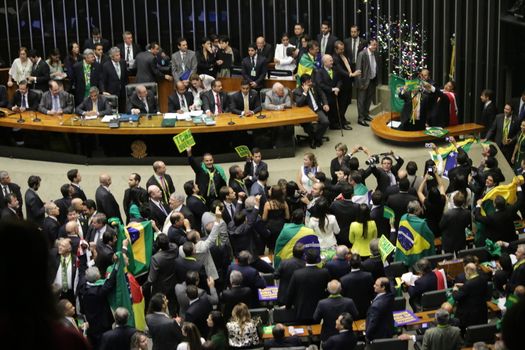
(324, 225)
(281, 58)
(21, 68)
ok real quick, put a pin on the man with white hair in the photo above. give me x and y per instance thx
(329, 81)
(6, 187)
(338, 266)
(86, 73)
(106, 202)
(95, 105)
(115, 76)
(330, 308)
(158, 212)
(120, 336)
(51, 225)
(162, 180)
(278, 98)
(64, 269)
(142, 101)
(517, 277)
(176, 204)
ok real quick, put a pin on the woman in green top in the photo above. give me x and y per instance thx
(519, 150)
(362, 231)
(138, 208)
(218, 332)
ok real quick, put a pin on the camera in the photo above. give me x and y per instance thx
(374, 159)
(430, 170)
(428, 145)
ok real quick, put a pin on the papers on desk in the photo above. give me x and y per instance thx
(409, 278)
(405, 317)
(90, 117)
(295, 331)
(170, 115)
(196, 113)
(394, 124)
(108, 118)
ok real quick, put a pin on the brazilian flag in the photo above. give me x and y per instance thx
(140, 236)
(395, 84)
(306, 66)
(289, 236)
(414, 240)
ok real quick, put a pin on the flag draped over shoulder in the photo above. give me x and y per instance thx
(361, 194)
(127, 294)
(415, 240)
(508, 192)
(140, 235)
(449, 154)
(289, 236)
(396, 83)
(306, 66)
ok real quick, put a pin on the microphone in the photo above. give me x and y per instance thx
(20, 119)
(231, 122)
(261, 116)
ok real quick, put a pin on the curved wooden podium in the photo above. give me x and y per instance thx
(381, 129)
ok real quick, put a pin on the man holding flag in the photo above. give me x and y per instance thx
(415, 240)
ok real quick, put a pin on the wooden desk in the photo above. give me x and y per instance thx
(234, 84)
(145, 126)
(424, 317)
(380, 128)
(315, 331)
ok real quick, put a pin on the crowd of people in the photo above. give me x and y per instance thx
(206, 266)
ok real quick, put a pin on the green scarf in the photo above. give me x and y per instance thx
(217, 168)
(87, 78)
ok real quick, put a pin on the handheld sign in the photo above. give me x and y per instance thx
(243, 151)
(385, 247)
(184, 140)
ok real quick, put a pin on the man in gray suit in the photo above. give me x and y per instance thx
(369, 63)
(56, 101)
(183, 62)
(94, 105)
(278, 98)
(147, 69)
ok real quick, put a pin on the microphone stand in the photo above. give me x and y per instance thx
(231, 122)
(36, 119)
(20, 119)
(261, 116)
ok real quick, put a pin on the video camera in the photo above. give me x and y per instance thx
(374, 158)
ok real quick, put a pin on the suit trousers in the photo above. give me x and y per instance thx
(322, 124)
(345, 97)
(364, 100)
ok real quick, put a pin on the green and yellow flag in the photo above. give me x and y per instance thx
(289, 236)
(395, 84)
(140, 235)
(415, 240)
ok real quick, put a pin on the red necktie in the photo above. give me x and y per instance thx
(218, 103)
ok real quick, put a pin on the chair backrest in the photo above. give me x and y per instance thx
(113, 102)
(268, 277)
(432, 300)
(285, 316)
(39, 93)
(279, 73)
(395, 269)
(481, 252)
(400, 303)
(263, 313)
(236, 71)
(482, 332)
(389, 344)
(153, 87)
(435, 259)
(263, 94)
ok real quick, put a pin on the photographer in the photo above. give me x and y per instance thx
(385, 175)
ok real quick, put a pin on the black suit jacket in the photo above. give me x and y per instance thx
(103, 106)
(106, 203)
(305, 100)
(382, 224)
(495, 132)
(41, 72)
(78, 193)
(341, 341)
(398, 203)
(358, 286)
(89, 44)
(174, 102)
(198, 312)
(337, 268)
(499, 226)
(383, 181)
(471, 301)
(267, 52)
(7, 214)
(248, 170)
(452, 227)
(183, 265)
(345, 212)
(91, 232)
(284, 274)
(197, 208)
(379, 318)
(329, 50)
(307, 287)
(63, 204)
(15, 189)
(488, 114)
(237, 102)
(322, 79)
(233, 296)
(33, 100)
(349, 50)
(260, 69)
(122, 48)
(34, 207)
(147, 70)
(375, 266)
(156, 213)
(54, 263)
(110, 81)
(117, 339)
(165, 193)
(162, 275)
(50, 229)
(135, 102)
(165, 331)
(425, 283)
(79, 82)
(329, 311)
(208, 101)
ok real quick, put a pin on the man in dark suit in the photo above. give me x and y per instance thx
(164, 330)
(503, 131)
(158, 211)
(346, 73)
(181, 100)
(369, 63)
(517, 276)
(286, 269)
(183, 265)
(106, 248)
(412, 115)
(142, 101)
(83, 68)
(228, 197)
(10, 211)
(338, 266)
(177, 230)
(250, 276)
(374, 264)
(237, 180)
(199, 309)
(51, 226)
(100, 56)
(55, 101)
(398, 202)
(99, 226)
(115, 77)
(444, 112)
(358, 286)
(377, 214)
(40, 72)
(162, 180)
(7, 187)
(345, 212)
(353, 45)
(235, 294)
(326, 79)
(326, 39)
(471, 298)
(345, 339)
(264, 49)
(94, 105)
(106, 202)
(379, 318)
(133, 183)
(96, 38)
(253, 166)
(66, 190)
(259, 187)
(25, 99)
(63, 260)
(210, 179)
(254, 68)
(386, 174)
(489, 109)
(307, 287)
(194, 201)
(147, 69)
(118, 338)
(215, 101)
(34, 205)
(246, 102)
(329, 309)
(427, 282)
(128, 50)
(74, 177)
(279, 340)
(310, 95)
(453, 224)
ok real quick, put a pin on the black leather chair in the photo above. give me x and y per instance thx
(432, 300)
(481, 252)
(400, 303)
(482, 332)
(395, 269)
(435, 259)
(113, 102)
(388, 344)
(263, 313)
(153, 87)
(285, 316)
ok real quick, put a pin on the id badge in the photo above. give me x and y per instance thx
(253, 72)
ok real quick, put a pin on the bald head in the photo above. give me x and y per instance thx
(104, 180)
(154, 192)
(402, 173)
(334, 287)
(77, 204)
(341, 251)
(141, 91)
(278, 89)
(181, 88)
(328, 61)
(470, 269)
(71, 227)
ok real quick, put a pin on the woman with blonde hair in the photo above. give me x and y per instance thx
(242, 329)
(306, 176)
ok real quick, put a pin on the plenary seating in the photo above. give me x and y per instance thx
(435, 259)
(388, 344)
(483, 332)
(481, 252)
(130, 89)
(432, 300)
(395, 269)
